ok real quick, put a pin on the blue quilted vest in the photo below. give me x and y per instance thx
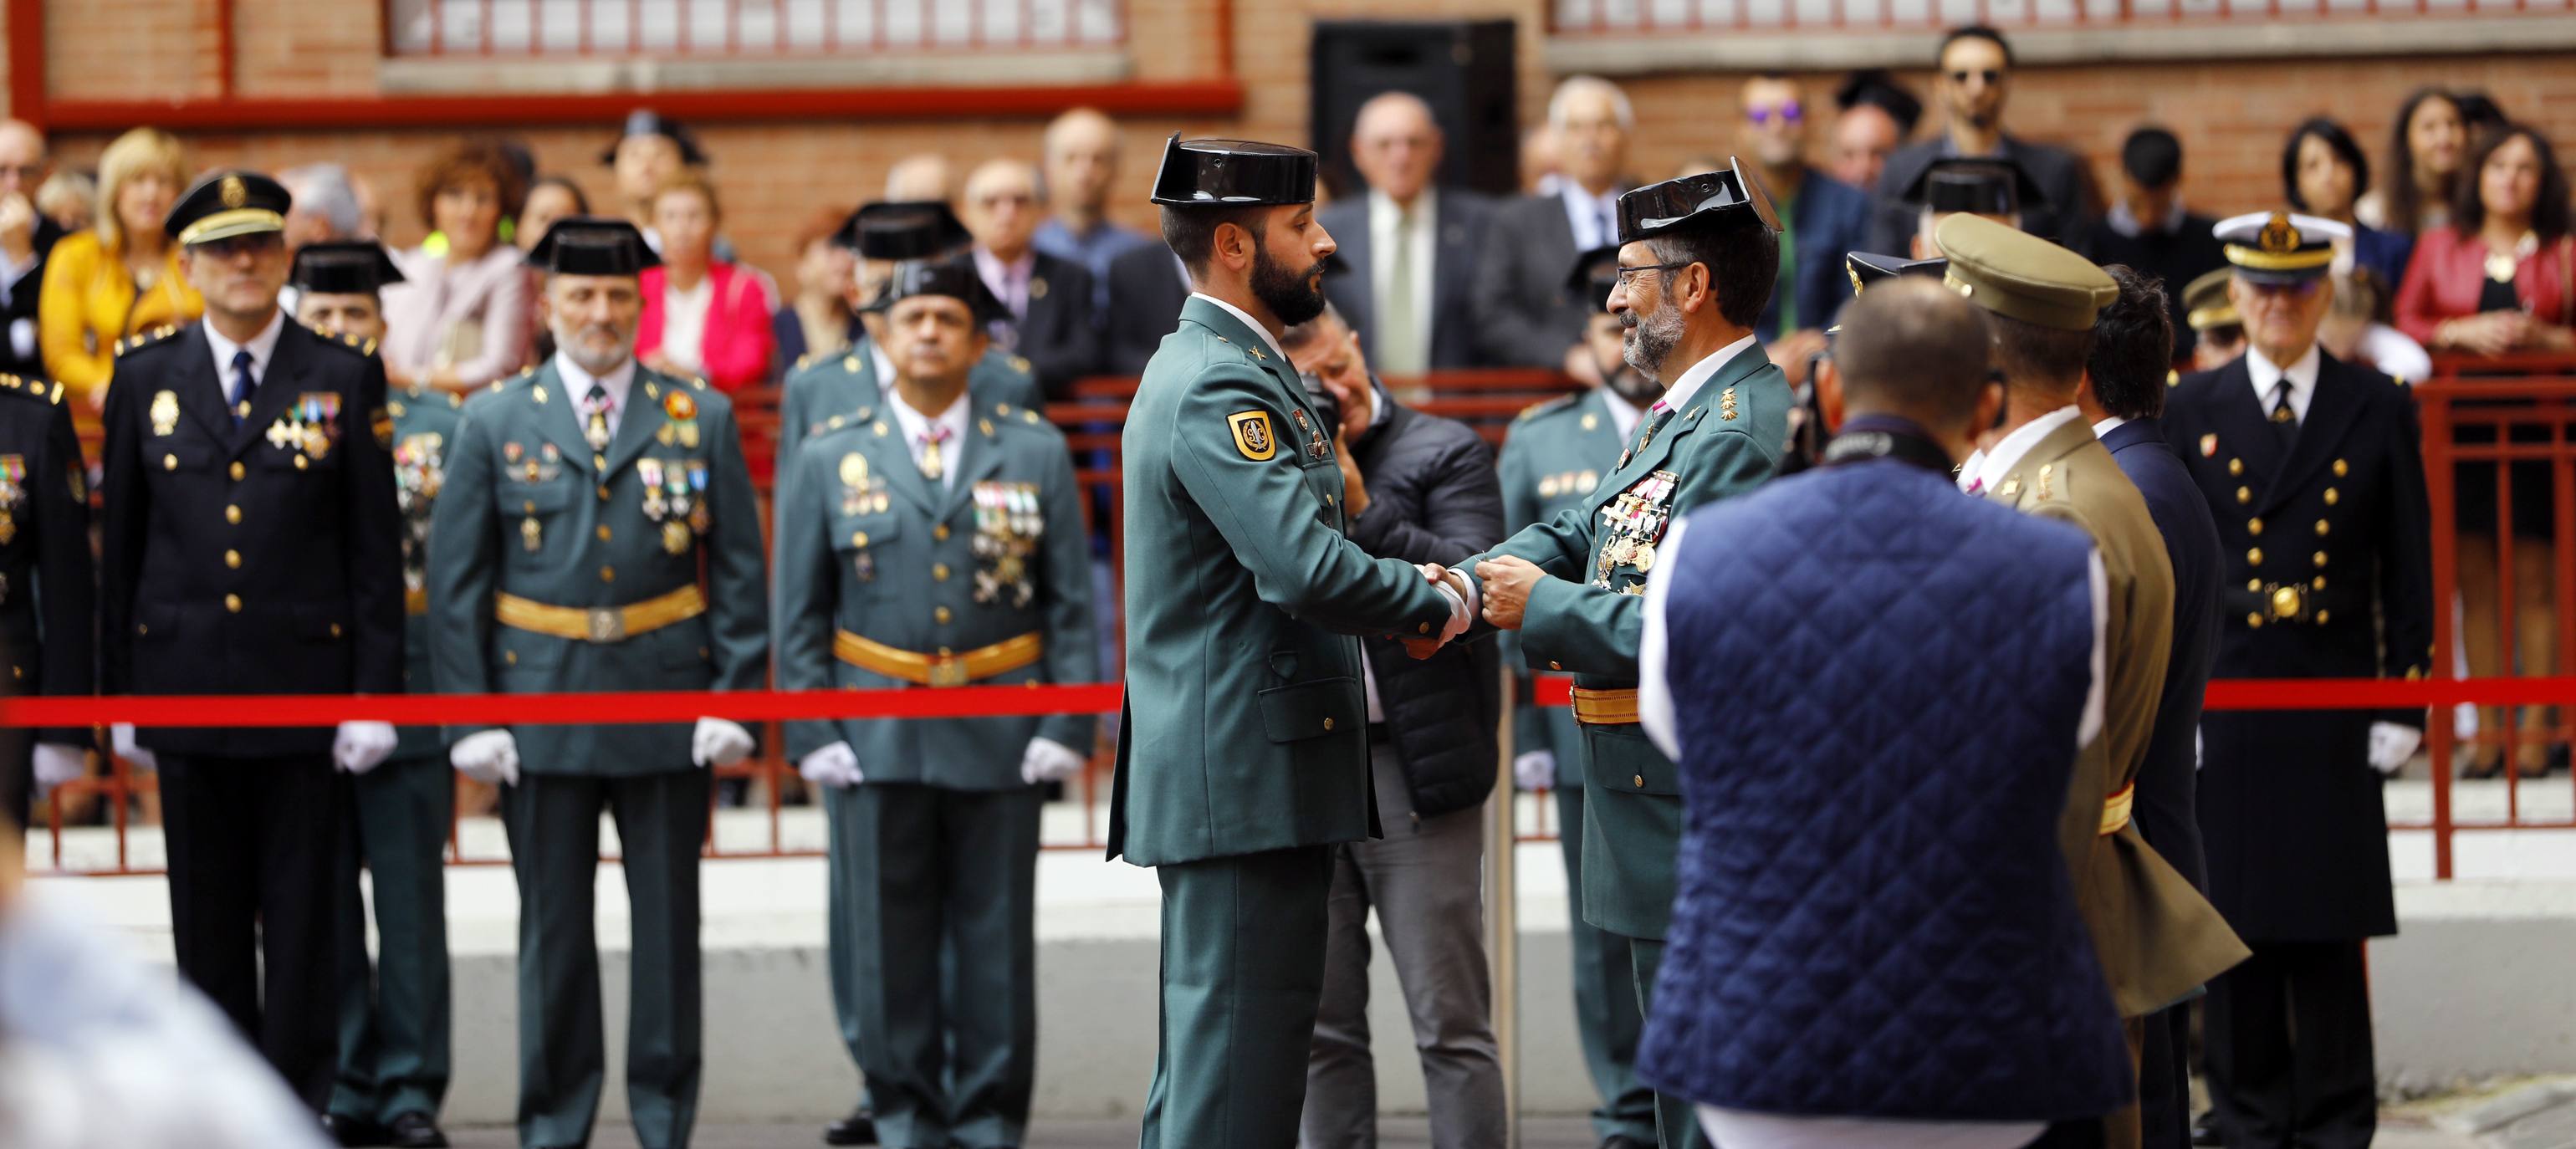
(1877, 683)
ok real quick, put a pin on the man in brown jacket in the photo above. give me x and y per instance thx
(2158, 939)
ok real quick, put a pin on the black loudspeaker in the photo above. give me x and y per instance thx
(1463, 68)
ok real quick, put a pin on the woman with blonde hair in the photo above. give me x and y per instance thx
(121, 277)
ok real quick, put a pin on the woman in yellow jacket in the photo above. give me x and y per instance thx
(122, 277)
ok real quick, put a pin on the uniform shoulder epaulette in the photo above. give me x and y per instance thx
(142, 339)
(1535, 410)
(1020, 363)
(700, 384)
(354, 343)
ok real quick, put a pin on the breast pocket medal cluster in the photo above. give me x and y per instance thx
(1008, 525)
(1635, 522)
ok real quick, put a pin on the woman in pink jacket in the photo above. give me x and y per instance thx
(702, 318)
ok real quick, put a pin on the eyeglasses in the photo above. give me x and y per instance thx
(1628, 275)
(1991, 75)
(1788, 113)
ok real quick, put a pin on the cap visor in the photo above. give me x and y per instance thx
(227, 224)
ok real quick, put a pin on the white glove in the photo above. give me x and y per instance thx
(1047, 760)
(1461, 593)
(1535, 770)
(719, 743)
(58, 763)
(491, 757)
(121, 736)
(362, 746)
(833, 765)
(2391, 745)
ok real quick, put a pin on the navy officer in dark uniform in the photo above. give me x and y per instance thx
(47, 586)
(2312, 469)
(252, 546)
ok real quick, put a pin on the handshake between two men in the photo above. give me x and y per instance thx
(1498, 594)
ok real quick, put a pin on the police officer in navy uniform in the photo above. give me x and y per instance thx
(253, 546)
(47, 587)
(394, 1027)
(2312, 468)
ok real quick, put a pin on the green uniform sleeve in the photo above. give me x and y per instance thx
(807, 585)
(1072, 648)
(1520, 509)
(737, 587)
(463, 555)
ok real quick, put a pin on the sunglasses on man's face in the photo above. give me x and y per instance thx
(1788, 113)
(1990, 75)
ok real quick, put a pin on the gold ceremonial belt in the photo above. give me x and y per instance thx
(415, 602)
(1605, 707)
(600, 624)
(2115, 809)
(939, 669)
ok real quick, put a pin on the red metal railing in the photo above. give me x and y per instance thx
(1615, 18)
(702, 29)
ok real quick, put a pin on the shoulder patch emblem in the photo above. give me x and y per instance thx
(1252, 435)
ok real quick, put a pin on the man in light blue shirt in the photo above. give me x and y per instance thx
(1081, 163)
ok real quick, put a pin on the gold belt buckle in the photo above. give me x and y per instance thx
(607, 624)
(2285, 602)
(947, 671)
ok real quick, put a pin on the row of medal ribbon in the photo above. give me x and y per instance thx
(1632, 523)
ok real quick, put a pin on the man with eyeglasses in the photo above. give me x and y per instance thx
(26, 237)
(1974, 78)
(1820, 219)
(1521, 310)
(1049, 299)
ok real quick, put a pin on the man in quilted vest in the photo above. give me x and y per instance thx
(2159, 941)
(1927, 670)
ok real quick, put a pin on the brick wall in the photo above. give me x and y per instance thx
(2231, 116)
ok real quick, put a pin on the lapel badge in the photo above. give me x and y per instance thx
(165, 412)
(510, 453)
(2209, 446)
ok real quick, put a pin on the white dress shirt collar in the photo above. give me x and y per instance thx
(1009, 282)
(262, 348)
(2301, 374)
(1988, 468)
(1595, 218)
(1678, 396)
(916, 428)
(617, 383)
(1248, 321)
(2108, 424)
(884, 366)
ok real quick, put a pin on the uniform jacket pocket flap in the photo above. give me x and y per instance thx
(1310, 709)
(859, 532)
(1623, 761)
(529, 498)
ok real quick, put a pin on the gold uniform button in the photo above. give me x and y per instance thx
(940, 616)
(300, 463)
(2333, 496)
(139, 628)
(608, 574)
(335, 630)
(603, 494)
(169, 462)
(2244, 494)
(510, 657)
(232, 559)
(2321, 618)
(604, 532)
(939, 571)
(1328, 500)
(2253, 526)
(232, 514)
(529, 506)
(2254, 557)
(2236, 466)
(940, 532)
(237, 470)
(2342, 468)
(1639, 780)
(2321, 528)
(232, 604)
(1328, 724)
(2254, 584)
(858, 538)
(1425, 628)
(2254, 621)
(2318, 584)
(2321, 558)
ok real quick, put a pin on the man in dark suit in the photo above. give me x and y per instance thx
(47, 624)
(253, 546)
(1821, 218)
(2311, 467)
(1975, 76)
(1411, 248)
(1147, 287)
(26, 237)
(2123, 398)
(1049, 298)
(1523, 315)
(2149, 228)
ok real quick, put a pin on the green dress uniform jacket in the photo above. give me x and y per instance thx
(1588, 617)
(868, 546)
(424, 432)
(823, 391)
(1557, 453)
(1245, 729)
(530, 510)
(2158, 938)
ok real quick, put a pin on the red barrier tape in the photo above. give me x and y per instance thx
(1006, 701)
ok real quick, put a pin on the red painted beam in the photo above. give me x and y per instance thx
(1191, 98)
(26, 31)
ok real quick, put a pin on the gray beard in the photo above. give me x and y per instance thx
(1651, 340)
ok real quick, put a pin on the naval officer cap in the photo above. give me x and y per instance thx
(2206, 304)
(2021, 276)
(904, 229)
(1709, 201)
(226, 204)
(1868, 267)
(344, 267)
(954, 277)
(1233, 173)
(647, 122)
(592, 245)
(2278, 247)
(1976, 186)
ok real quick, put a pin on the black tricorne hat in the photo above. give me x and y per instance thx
(344, 267)
(225, 204)
(1977, 186)
(1233, 173)
(903, 229)
(1725, 197)
(647, 122)
(954, 277)
(592, 245)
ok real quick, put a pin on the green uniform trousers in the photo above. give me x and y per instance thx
(553, 821)
(1676, 1119)
(1605, 997)
(394, 1028)
(1243, 973)
(933, 918)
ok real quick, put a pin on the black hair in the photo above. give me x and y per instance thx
(1873, 86)
(2405, 204)
(2152, 156)
(2031, 355)
(2549, 213)
(1975, 32)
(1743, 265)
(1190, 231)
(580, 201)
(2132, 347)
(2338, 141)
(2478, 111)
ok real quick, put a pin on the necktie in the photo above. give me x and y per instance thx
(1609, 229)
(2285, 419)
(1399, 346)
(595, 417)
(1656, 417)
(934, 464)
(243, 384)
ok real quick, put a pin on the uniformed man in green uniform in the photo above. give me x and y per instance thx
(394, 1028)
(822, 391)
(1697, 260)
(584, 500)
(1242, 754)
(1558, 451)
(936, 541)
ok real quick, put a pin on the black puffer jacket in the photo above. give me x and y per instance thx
(1433, 498)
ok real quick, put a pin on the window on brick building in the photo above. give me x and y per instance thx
(736, 28)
